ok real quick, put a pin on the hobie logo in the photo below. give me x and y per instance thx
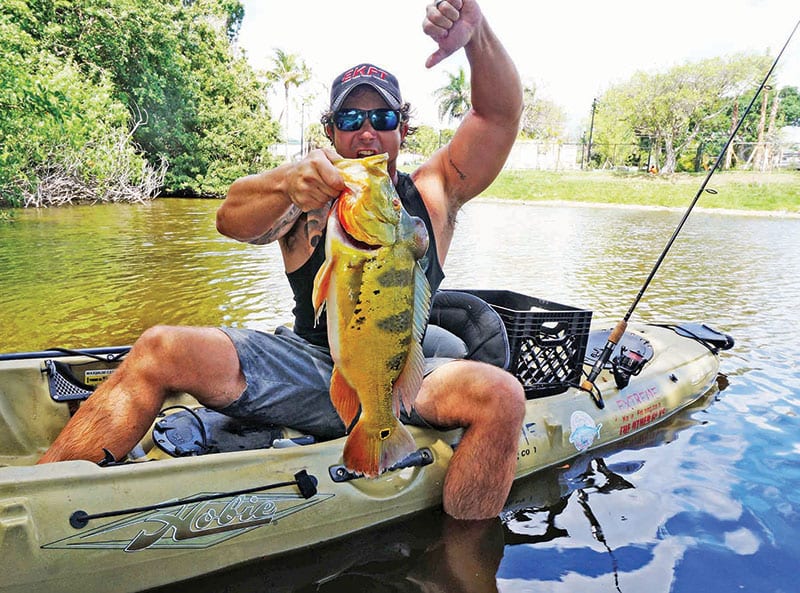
(192, 525)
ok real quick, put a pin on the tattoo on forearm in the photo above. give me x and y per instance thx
(277, 229)
(316, 222)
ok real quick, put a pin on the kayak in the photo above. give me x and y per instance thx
(202, 492)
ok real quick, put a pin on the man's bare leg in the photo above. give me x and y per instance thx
(164, 360)
(490, 404)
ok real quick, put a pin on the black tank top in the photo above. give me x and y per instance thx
(302, 279)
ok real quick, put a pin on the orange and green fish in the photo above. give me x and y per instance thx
(377, 302)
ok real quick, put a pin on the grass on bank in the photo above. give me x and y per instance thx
(746, 190)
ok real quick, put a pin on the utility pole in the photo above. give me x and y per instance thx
(591, 131)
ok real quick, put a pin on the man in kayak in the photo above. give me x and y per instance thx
(282, 378)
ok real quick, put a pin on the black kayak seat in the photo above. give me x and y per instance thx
(463, 325)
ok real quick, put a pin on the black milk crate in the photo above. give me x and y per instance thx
(547, 340)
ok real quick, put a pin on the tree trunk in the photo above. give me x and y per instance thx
(729, 154)
(758, 154)
(286, 131)
(698, 156)
(670, 156)
(773, 116)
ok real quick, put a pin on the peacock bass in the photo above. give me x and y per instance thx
(377, 301)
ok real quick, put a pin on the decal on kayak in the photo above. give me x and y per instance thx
(96, 376)
(192, 525)
(526, 448)
(634, 420)
(583, 430)
(631, 400)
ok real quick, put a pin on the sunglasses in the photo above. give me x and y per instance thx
(381, 120)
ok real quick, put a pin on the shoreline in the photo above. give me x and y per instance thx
(583, 204)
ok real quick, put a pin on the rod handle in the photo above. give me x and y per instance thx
(613, 339)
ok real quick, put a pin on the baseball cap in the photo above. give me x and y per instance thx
(381, 80)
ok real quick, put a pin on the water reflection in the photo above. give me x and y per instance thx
(428, 553)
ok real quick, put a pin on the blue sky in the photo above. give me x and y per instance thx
(572, 50)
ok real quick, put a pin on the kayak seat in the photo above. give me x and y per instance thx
(463, 325)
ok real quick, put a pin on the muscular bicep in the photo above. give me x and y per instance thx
(475, 156)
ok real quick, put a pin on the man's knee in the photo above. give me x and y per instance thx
(156, 348)
(487, 394)
(506, 395)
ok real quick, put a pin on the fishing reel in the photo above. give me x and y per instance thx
(628, 363)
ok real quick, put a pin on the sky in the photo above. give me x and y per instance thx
(571, 50)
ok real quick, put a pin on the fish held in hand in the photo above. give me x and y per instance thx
(377, 301)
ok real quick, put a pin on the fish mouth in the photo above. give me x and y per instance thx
(360, 244)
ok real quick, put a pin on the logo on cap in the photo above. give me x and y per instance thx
(364, 70)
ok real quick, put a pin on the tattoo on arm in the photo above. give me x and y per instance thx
(279, 227)
(316, 222)
(462, 176)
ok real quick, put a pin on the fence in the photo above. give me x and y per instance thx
(557, 156)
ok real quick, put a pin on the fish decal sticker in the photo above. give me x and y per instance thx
(583, 430)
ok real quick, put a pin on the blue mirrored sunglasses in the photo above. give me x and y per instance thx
(381, 120)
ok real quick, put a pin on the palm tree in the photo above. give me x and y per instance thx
(454, 97)
(291, 71)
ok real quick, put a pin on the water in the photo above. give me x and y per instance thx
(709, 501)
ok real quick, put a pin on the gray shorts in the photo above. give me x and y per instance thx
(288, 380)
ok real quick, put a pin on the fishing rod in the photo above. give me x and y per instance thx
(619, 330)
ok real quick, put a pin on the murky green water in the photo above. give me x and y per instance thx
(102, 274)
(709, 501)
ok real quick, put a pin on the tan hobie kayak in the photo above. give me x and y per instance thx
(200, 494)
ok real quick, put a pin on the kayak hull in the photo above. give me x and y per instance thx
(76, 526)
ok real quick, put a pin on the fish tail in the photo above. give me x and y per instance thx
(369, 451)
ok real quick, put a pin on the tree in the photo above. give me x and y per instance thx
(683, 106)
(63, 138)
(167, 66)
(614, 139)
(790, 105)
(425, 140)
(290, 71)
(541, 119)
(454, 97)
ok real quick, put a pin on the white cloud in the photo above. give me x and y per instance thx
(572, 49)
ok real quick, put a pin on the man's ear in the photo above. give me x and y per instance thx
(403, 130)
(329, 132)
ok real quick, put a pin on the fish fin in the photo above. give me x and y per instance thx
(422, 302)
(370, 451)
(344, 397)
(322, 285)
(410, 379)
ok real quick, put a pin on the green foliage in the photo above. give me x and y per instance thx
(77, 75)
(688, 108)
(425, 140)
(790, 105)
(51, 116)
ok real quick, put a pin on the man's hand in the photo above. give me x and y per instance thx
(314, 182)
(451, 24)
